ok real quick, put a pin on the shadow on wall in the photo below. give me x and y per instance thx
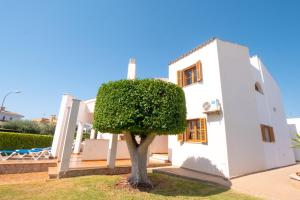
(202, 164)
(215, 117)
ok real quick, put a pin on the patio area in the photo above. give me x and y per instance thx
(77, 166)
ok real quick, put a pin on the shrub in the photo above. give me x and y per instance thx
(143, 109)
(12, 141)
(27, 126)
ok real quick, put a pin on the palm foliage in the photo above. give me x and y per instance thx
(296, 141)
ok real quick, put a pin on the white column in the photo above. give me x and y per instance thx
(98, 135)
(63, 166)
(93, 132)
(112, 151)
(131, 69)
(78, 138)
(61, 121)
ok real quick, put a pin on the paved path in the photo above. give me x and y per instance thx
(273, 184)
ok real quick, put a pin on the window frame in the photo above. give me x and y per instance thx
(196, 69)
(258, 88)
(268, 137)
(197, 131)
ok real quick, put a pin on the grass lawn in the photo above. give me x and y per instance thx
(104, 187)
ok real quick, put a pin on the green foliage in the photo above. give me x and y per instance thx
(12, 141)
(85, 136)
(140, 107)
(296, 141)
(27, 126)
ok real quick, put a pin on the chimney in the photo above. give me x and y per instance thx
(131, 69)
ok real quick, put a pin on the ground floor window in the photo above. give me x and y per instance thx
(195, 131)
(267, 133)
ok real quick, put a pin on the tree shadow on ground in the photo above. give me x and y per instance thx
(176, 186)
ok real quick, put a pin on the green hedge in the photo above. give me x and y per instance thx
(12, 141)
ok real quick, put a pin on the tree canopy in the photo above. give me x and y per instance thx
(140, 107)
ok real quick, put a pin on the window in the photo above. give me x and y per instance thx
(195, 131)
(258, 88)
(267, 133)
(3, 118)
(189, 75)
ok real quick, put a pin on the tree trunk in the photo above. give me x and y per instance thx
(138, 155)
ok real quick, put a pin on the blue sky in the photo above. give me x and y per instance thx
(48, 48)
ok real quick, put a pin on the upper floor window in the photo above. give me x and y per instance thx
(258, 88)
(267, 133)
(195, 131)
(189, 75)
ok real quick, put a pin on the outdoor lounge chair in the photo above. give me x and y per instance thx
(35, 154)
(6, 154)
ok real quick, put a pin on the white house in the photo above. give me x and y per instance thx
(235, 115)
(6, 115)
(294, 128)
(236, 121)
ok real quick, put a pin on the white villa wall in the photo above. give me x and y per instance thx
(235, 146)
(244, 141)
(270, 112)
(9, 117)
(294, 128)
(211, 157)
(159, 144)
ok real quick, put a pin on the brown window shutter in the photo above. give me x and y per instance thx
(203, 130)
(195, 131)
(180, 137)
(199, 71)
(179, 78)
(263, 133)
(272, 136)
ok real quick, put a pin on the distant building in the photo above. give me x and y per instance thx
(6, 115)
(51, 120)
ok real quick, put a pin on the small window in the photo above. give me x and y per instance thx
(195, 131)
(189, 75)
(267, 133)
(258, 88)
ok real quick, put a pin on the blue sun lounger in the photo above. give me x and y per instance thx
(35, 153)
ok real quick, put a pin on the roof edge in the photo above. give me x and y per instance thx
(207, 42)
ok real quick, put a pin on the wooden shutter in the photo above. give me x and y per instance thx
(199, 71)
(179, 78)
(263, 133)
(203, 130)
(180, 137)
(272, 137)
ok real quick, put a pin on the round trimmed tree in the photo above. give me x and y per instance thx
(140, 109)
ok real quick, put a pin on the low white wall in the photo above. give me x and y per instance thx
(159, 144)
(98, 149)
(95, 150)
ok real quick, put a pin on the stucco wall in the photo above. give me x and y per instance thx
(9, 117)
(244, 142)
(210, 157)
(270, 112)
